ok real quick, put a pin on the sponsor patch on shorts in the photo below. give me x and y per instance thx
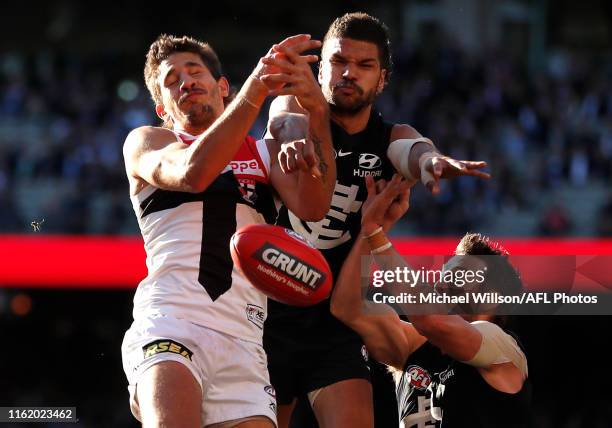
(270, 390)
(166, 345)
(256, 315)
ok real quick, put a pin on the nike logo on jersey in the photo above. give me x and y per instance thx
(342, 154)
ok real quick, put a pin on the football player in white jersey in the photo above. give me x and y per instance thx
(193, 355)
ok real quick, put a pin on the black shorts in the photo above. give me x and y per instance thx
(311, 351)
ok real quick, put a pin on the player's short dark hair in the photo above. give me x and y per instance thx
(364, 27)
(501, 275)
(164, 46)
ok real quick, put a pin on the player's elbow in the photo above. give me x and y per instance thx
(343, 312)
(195, 180)
(309, 210)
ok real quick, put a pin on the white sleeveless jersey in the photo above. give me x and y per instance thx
(187, 237)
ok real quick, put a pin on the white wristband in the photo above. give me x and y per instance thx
(398, 153)
(381, 248)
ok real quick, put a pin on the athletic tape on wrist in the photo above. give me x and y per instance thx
(398, 153)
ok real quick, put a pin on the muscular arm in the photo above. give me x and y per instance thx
(307, 196)
(389, 339)
(153, 154)
(484, 345)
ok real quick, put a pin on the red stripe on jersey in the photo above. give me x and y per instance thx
(246, 163)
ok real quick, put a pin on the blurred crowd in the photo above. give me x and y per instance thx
(63, 123)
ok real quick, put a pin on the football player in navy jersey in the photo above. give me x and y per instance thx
(450, 370)
(309, 351)
(193, 355)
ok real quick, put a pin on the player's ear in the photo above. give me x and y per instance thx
(161, 112)
(381, 81)
(224, 87)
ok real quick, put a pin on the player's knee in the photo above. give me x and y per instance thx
(168, 396)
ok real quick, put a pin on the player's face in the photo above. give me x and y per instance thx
(190, 94)
(350, 74)
(465, 263)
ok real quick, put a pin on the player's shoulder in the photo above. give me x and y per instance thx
(146, 138)
(403, 130)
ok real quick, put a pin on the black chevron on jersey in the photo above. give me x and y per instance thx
(218, 224)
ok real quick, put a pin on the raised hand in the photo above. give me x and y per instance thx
(294, 76)
(386, 202)
(435, 166)
(296, 44)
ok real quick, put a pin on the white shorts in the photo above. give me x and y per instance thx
(232, 373)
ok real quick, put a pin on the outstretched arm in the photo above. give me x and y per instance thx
(417, 158)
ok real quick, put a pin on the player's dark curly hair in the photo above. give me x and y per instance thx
(364, 27)
(501, 275)
(164, 46)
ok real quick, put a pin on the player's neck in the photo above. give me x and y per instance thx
(192, 130)
(352, 123)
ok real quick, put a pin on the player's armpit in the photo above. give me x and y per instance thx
(156, 156)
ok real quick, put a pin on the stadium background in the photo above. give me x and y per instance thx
(525, 85)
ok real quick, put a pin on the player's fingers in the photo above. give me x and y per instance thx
(294, 40)
(282, 162)
(293, 52)
(277, 78)
(404, 197)
(290, 154)
(380, 185)
(371, 186)
(300, 163)
(281, 63)
(477, 173)
(393, 187)
(474, 164)
(436, 168)
(431, 180)
(309, 154)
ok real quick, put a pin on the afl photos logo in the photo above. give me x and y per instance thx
(419, 378)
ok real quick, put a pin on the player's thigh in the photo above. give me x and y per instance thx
(169, 396)
(345, 404)
(262, 422)
(283, 415)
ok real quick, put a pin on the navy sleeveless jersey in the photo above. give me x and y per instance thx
(436, 391)
(357, 155)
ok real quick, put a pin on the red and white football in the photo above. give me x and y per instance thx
(281, 264)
